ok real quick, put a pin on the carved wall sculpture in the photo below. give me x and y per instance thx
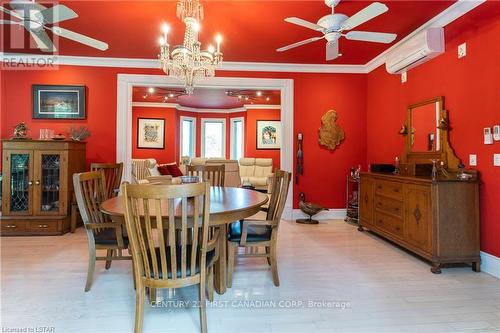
(330, 134)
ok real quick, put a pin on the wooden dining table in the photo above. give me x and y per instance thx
(227, 205)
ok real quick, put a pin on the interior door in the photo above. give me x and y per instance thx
(50, 191)
(366, 200)
(418, 216)
(17, 194)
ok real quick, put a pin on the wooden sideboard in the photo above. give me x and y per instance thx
(37, 185)
(437, 220)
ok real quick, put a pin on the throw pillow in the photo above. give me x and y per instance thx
(163, 169)
(174, 170)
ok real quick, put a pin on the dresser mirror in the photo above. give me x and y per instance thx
(426, 135)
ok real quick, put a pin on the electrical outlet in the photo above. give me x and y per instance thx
(473, 160)
(462, 50)
(404, 77)
(496, 159)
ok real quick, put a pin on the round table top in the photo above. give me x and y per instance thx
(223, 201)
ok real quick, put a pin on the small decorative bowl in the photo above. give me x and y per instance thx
(46, 208)
(190, 179)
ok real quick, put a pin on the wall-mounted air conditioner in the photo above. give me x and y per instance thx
(418, 49)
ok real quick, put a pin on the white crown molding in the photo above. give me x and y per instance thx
(456, 10)
(490, 264)
(200, 110)
(450, 14)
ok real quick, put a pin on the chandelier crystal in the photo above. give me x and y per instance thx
(188, 62)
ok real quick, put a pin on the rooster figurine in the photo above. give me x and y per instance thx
(308, 208)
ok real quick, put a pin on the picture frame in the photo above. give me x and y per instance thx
(150, 133)
(268, 134)
(58, 101)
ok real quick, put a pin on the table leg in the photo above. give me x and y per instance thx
(221, 264)
(74, 212)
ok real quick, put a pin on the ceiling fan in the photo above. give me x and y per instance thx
(334, 25)
(36, 19)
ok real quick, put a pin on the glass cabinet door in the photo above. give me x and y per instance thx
(17, 200)
(49, 198)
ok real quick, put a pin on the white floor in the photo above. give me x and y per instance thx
(360, 282)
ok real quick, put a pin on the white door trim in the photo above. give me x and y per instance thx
(125, 82)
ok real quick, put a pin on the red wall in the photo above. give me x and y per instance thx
(471, 89)
(171, 150)
(251, 135)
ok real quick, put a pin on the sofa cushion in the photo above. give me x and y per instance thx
(198, 161)
(152, 166)
(264, 162)
(258, 181)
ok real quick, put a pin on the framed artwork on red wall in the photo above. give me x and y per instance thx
(150, 133)
(268, 134)
(58, 102)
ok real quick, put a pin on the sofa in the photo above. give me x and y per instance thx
(256, 171)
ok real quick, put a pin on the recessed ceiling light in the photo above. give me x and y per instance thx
(171, 95)
(151, 90)
(144, 96)
(267, 99)
(246, 98)
(239, 96)
(259, 93)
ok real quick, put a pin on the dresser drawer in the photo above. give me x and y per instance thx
(43, 226)
(389, 205)
(388, 188)
(389, 223)
(13, 226)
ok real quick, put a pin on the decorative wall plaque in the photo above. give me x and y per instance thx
(330, 134)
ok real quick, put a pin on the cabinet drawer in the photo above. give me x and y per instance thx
(390, 224)
(43, 226)
(391, 189)
(13, 226)
(389, 205)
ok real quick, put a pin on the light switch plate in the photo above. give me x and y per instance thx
(404, 77)
(462, 50)
(496, 159)
(473, 160)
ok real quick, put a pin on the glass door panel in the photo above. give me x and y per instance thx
(48, 195)
(20, 182)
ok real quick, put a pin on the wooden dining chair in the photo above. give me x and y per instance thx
(169, 260)
(102, 233)
(214, 174)
(255, 234)
(112, 175)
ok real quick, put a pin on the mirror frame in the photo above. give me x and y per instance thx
(445, 152)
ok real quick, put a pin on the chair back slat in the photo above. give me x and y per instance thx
(279, 187)
(214, 174)
(178, 253)
(112, 175)
(90, 193)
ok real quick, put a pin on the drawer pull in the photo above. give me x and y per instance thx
(11, 226)
(396, 209)
(398, 228)
(396, 190)
(43, 226)
(379, 187)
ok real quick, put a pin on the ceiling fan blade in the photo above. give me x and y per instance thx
(11, 13)
(332, 50)
(79, 38)
(365, 14)
(367, 36)
(291, 46)
(58, 13)
(43, 41)
(304, 23)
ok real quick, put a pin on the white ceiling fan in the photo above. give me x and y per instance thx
(37, 18)
(334, 25)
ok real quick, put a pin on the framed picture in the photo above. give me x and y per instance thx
(58, 102)
(151, 133)
(268, 134)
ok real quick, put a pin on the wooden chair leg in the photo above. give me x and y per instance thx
(74, 212)
(139, 308)
(152, 295)
(268, 255)
(109, 253)
(133, 273)
(210, 284)
(91, 267)
(231, 253)
(274, 265)
(203, 307)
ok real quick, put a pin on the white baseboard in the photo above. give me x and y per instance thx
(490, 264)
(331, 214)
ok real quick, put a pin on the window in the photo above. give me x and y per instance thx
(213, 137)
(188, 136)
(237, 138)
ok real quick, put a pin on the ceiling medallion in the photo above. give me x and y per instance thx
(187, 62)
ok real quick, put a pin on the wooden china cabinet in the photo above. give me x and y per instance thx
(430, 211)
(37, 185)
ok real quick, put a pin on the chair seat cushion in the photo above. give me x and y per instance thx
(108, 237)
(209, 261)
(256, 233)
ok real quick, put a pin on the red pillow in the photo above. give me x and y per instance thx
(174, 170)
(163, 170)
